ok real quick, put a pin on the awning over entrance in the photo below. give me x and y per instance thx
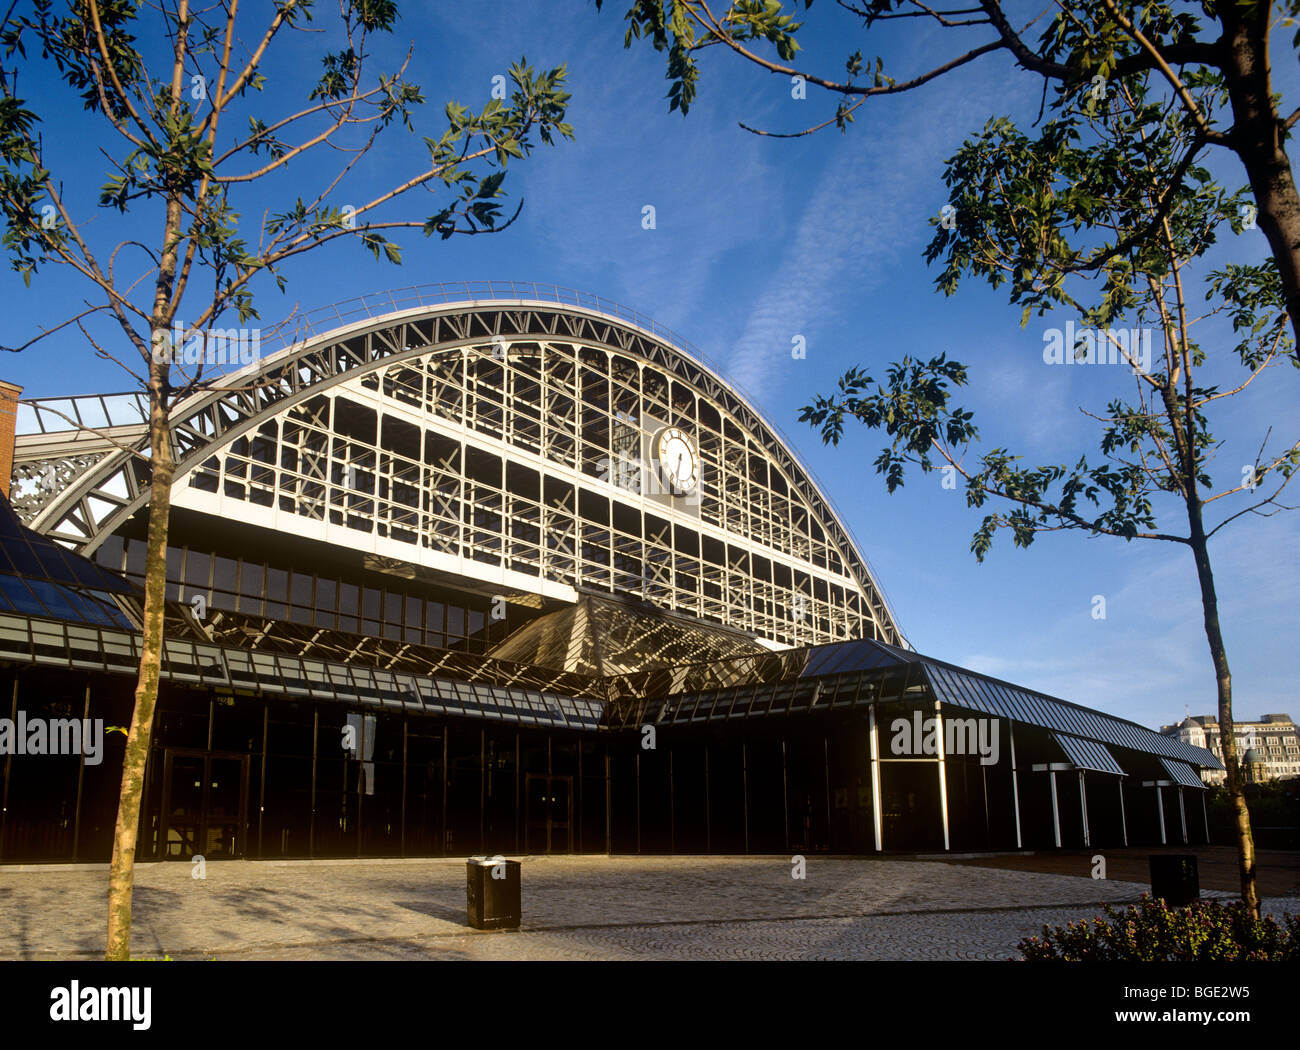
(1182, 774)
(1088, 754)
(967, 689)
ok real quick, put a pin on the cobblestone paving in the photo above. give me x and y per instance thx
(597, 908)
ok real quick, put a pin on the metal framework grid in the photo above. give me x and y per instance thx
(479, 439)
(88, 648)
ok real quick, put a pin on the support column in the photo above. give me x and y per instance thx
(9, 761)
(1123, 819)
(81, 780)
(1182, 813)
(442, 846)
(988, 826)
(404, 749)
(1205, 815)
(1083, 809)
(875, 775)
(672, 806)
(826, 756)
(785, 794)
(943, 774)
(315, 739)
(1160, 810)
(1015, 783)
(361, 782)
(638, 801)
(744, 781)
(1056, 813)
(708, 808)
(609, 809)
(261, 790)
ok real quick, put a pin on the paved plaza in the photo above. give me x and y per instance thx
(575, 908)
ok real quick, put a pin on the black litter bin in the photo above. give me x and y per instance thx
(492, 893)
(1174, 877)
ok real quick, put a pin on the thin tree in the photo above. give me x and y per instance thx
(1080, 48)
(200, 129)
(1024, 213)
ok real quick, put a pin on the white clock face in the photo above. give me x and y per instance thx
(677, 460)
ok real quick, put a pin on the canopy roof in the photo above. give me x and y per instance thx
(603, 637)
(40, 578)
(847, 674)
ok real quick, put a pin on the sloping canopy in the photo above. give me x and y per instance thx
(1088, 754)
(602, 637)
(34, 557)
(40, 578)
(841, 666)
(1181, 773)
(107, 649)
(963, 688)
(850, 656)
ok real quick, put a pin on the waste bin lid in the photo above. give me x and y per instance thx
(486, 862)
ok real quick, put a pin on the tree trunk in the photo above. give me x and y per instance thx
(121, 877)
(1223, 677)
(1257, 136)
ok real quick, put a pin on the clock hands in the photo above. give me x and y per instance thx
(675, 471)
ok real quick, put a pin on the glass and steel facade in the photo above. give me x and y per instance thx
(507, 444)
(519, 574)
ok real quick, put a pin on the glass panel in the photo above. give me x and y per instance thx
(277, 585)
(990, 699)
(1035, 713)
(971, 698)
(945, 686)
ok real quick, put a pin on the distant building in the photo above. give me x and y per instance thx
(1274, 737)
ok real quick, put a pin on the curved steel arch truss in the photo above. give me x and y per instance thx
(544, 388)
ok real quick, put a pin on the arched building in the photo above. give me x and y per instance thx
(515, 572)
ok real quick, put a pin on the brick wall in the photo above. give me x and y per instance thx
(9, 394)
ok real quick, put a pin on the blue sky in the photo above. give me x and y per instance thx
(757, 241)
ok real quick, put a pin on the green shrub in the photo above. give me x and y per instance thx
(1149, 931)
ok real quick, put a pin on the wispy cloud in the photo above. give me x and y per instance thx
(832, 242)
(867, 214)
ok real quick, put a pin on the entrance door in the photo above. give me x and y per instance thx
(205, 804)
(548, 813)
